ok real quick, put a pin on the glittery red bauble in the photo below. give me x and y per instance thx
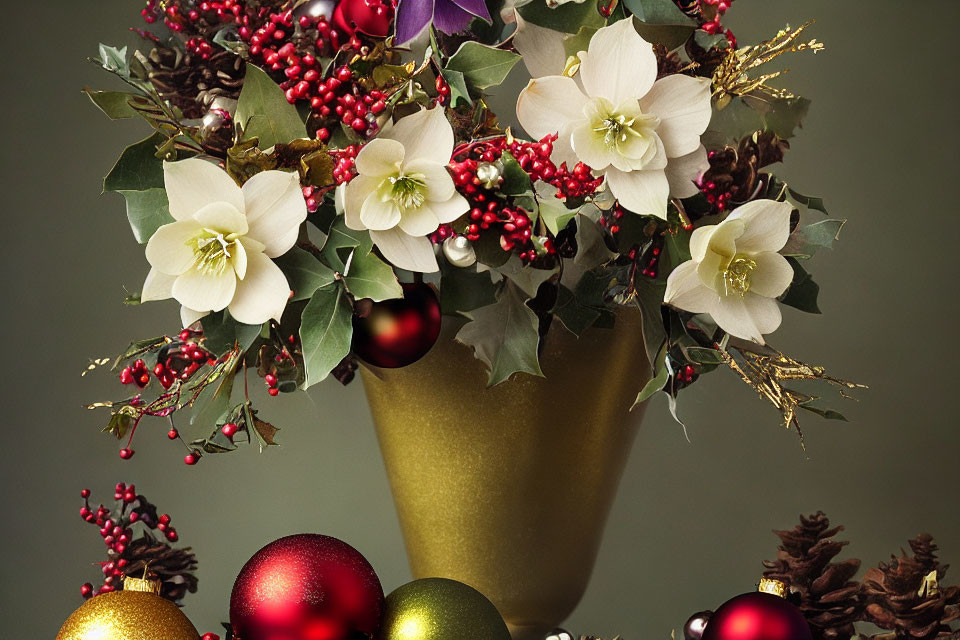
(757, 616)
(306, 587)
(372, 17)
(401, 331)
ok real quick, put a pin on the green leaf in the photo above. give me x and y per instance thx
(579, 42)
(222, 333)
(649, 300)
(115, 104)
(829, 414)
(304, 272)
(670, 36)
(326, 330)
(555, 215)
(803, 291)
(592, 249)
(458, 87)
(703, 355)
(574, 315)
(805, 241)
(526, 277)
(504, 336)
(658, 12)
(371, 277)
(782, 116)
(516, 181)
(743, 116)
(657, 383)
(482, 66)
(568, 18)
(264, 113)
(809, 202)
(341, 240)
(114, 59)
(463, 289)
(138, 168)
(147, 211)
(489, 251)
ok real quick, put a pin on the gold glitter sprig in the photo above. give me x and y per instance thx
(766, 370)
(732, 77)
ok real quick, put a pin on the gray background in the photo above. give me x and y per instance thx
(692, 521)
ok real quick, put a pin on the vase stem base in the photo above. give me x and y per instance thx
(527, 633)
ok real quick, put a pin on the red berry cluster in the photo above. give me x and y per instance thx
(116, 529)
(717, 195)
(610, 219)
(178, 360)
(534, 158)
(714, 25)
(137, 374)
(209, 636)
(345, 161)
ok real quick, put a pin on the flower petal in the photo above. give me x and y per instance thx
(157, 286)
(239, 259)
(476, 7)
(683, 172)
(541, 48)
(350, 198)
(189, 316)
(380, 157)
(412, 17)
(223, 218)
(546, 105)
(618, 64)
(205, 291)
(767, 225)
(170, 250)
(379, 213)
(686, 291)
(683, 105)
(275, 210)
(439, 183)
(405, 251)
(592, 149)
(748, 317)
(451, 209)
(420, 221)
(193, 184)
(772, 275)
(721, 249)
(643, 192)
(262, 294)
(699, 240)
(425, 135)
(451, 18)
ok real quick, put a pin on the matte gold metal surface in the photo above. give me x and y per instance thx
(508, 489)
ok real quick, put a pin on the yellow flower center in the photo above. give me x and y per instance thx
(212, 251)
(736, 277)
(616, 129)
(408, 191)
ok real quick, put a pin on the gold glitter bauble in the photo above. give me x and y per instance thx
(128, 615)
(440, 609)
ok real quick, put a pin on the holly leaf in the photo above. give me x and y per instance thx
(803, 291)
(464, 289)
(341, 240)
(592, 249)
(810, 202)
(579, 42)
(264, 112)
(458, 87)
(782, 116)
(829, 414)
(516, 181)
(115, 60)
(482, 66)
(371, 277)
(138, 167)
(649, 300)
(504, 336)
(526, 277)
(222, 333)
(658, 382)
(664, 12)
(326, 330)
(568, 18)
(575, 316)
(304, 272)
(147, 211)
(116, 105)
(805, 241)
(704, 355)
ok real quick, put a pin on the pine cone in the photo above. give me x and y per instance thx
(734, 176)
(668, 62)
(191, 83)
(905, 596)
(175, 567)
(824, 591)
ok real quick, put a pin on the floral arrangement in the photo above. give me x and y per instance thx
(313, 162)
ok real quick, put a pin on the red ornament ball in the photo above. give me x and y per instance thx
(757, 616)
(401, 331)
(306, 587)
(372, 17)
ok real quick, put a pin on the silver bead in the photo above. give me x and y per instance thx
(558, 634)
(459, 251)
(316, 9)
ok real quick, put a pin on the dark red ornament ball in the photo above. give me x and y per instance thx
(695, 625)
(398, 332)
(372, 17)
(306, 587)
(757, 616)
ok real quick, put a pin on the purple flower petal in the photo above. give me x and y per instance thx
(412, 17)
(450, 18)
(476, 7)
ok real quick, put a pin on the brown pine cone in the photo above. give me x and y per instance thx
(191, 83)
(823, 590)
(906, 597)
(668, 62)
(174, 567)
(734, 176)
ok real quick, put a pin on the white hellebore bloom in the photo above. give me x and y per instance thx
(643, 134)
(735, 273)
(217, 254)
(403, 191)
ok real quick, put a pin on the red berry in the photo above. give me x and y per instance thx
(190, 459)
(126, 454)
(173, 434)
(229, 429)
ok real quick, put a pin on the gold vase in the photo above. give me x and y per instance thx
(507, 489)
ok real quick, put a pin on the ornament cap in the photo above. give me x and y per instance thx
(773, 587)
(142, 584)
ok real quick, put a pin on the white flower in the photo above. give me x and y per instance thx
(735, 273)
(403, 191)
(642, 133)
(217, 253)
